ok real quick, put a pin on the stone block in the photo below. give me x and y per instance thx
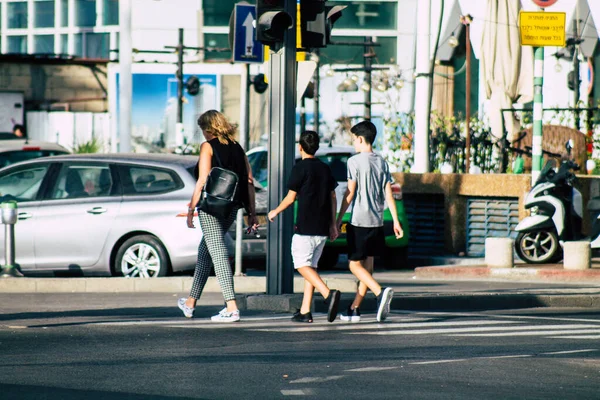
(61, 285)
(158, 285)
(17, 285)
(499, 252)
(110, 285)
(577, 255)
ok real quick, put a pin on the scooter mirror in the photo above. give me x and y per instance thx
(569, 146)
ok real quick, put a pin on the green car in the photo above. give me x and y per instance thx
(336, 157)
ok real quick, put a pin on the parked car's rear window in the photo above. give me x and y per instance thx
(11, 157)
(147, 180)
(339, 165)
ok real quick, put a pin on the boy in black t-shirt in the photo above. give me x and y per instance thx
(313, 184)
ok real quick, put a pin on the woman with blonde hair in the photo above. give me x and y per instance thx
(220, 145)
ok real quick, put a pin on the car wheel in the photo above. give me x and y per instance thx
(329, 258)
(141, 256)
(395, 258)
(538, 247)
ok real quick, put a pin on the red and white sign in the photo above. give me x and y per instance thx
(544, 3)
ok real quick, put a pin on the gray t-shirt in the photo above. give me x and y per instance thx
(371, 174)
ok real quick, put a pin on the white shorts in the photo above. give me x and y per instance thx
(306, 250)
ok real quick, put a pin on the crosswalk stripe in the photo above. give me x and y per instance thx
(534, 333)
(476, 329)
(371, 326)
(572, 351)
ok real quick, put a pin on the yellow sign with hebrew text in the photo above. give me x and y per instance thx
(541, 28)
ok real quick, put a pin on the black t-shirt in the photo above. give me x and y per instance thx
(313, 181)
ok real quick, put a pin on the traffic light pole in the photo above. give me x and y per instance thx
(282, 132)
(179, 124)
(316, 99)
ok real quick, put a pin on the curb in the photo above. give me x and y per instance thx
(556, 275)
(243, 284)
(289, 303)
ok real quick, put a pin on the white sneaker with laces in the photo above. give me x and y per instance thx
(187, 311)
(224, 316)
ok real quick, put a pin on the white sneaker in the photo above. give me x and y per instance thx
(187, 311)
(224, 316)
(383, 303)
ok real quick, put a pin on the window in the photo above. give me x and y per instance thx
(217, 40)
(92, 45)
(64, 13)
(367, 15)
(85, 13)
(338, 165)
(148, 180)
(44, 44)
(43, 16)
(17, 44)
(385, 52)
(111, 12)
(217, 12)
(17, 14)
(258, 163)
(80, 181)
(22, 184)
(64, 44)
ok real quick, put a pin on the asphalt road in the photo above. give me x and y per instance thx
(140, 347)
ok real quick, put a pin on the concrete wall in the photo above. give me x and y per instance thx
(457, 188)
(45, 85)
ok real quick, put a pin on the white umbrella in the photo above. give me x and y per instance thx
(507, 66)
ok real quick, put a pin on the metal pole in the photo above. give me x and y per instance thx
(368, 69)
(576, 89)
(422, 77)
(538, 99)
(317, 82)
(179, 75)
(244, 135)
(9, 219)
(282, 94)
(125, 79)
(468, 97)
(302, 114)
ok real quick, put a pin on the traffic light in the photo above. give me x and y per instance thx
(573, 81)
(193, 85)
(316, 22)
(272, 22)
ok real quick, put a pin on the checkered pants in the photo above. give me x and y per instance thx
(212, 251)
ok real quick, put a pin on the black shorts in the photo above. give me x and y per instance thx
(364, 242)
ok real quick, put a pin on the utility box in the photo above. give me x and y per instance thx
(12, 106)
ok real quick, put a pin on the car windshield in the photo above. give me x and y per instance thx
(547, 172)
(11, 157)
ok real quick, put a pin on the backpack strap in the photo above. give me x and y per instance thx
(216, 154)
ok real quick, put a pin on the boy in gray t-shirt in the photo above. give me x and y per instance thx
(369, 188)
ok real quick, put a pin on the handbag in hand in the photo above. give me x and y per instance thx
(217, 198)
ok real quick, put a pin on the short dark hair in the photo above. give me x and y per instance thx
(365, 129)
(19, 127)
(309, 140)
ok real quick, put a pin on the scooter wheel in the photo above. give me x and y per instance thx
(538, 247)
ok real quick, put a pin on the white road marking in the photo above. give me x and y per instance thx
(572, 351)
(439, 361)
(500, 357)
(476, 329)
(585, 337)
(360, 326)
(316, 379)
(297, 392)
(370, 369)
(508, 316)
(534, 333)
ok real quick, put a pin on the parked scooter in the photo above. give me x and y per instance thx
(556, 214)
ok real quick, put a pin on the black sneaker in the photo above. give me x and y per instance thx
(383, 303)
(351, 315)
(333, 302)
(299, 317)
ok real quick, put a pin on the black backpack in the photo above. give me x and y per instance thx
(217, 198)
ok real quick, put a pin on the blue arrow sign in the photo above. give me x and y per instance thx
(246, 48)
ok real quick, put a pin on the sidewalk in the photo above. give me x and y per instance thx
(449, 287)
